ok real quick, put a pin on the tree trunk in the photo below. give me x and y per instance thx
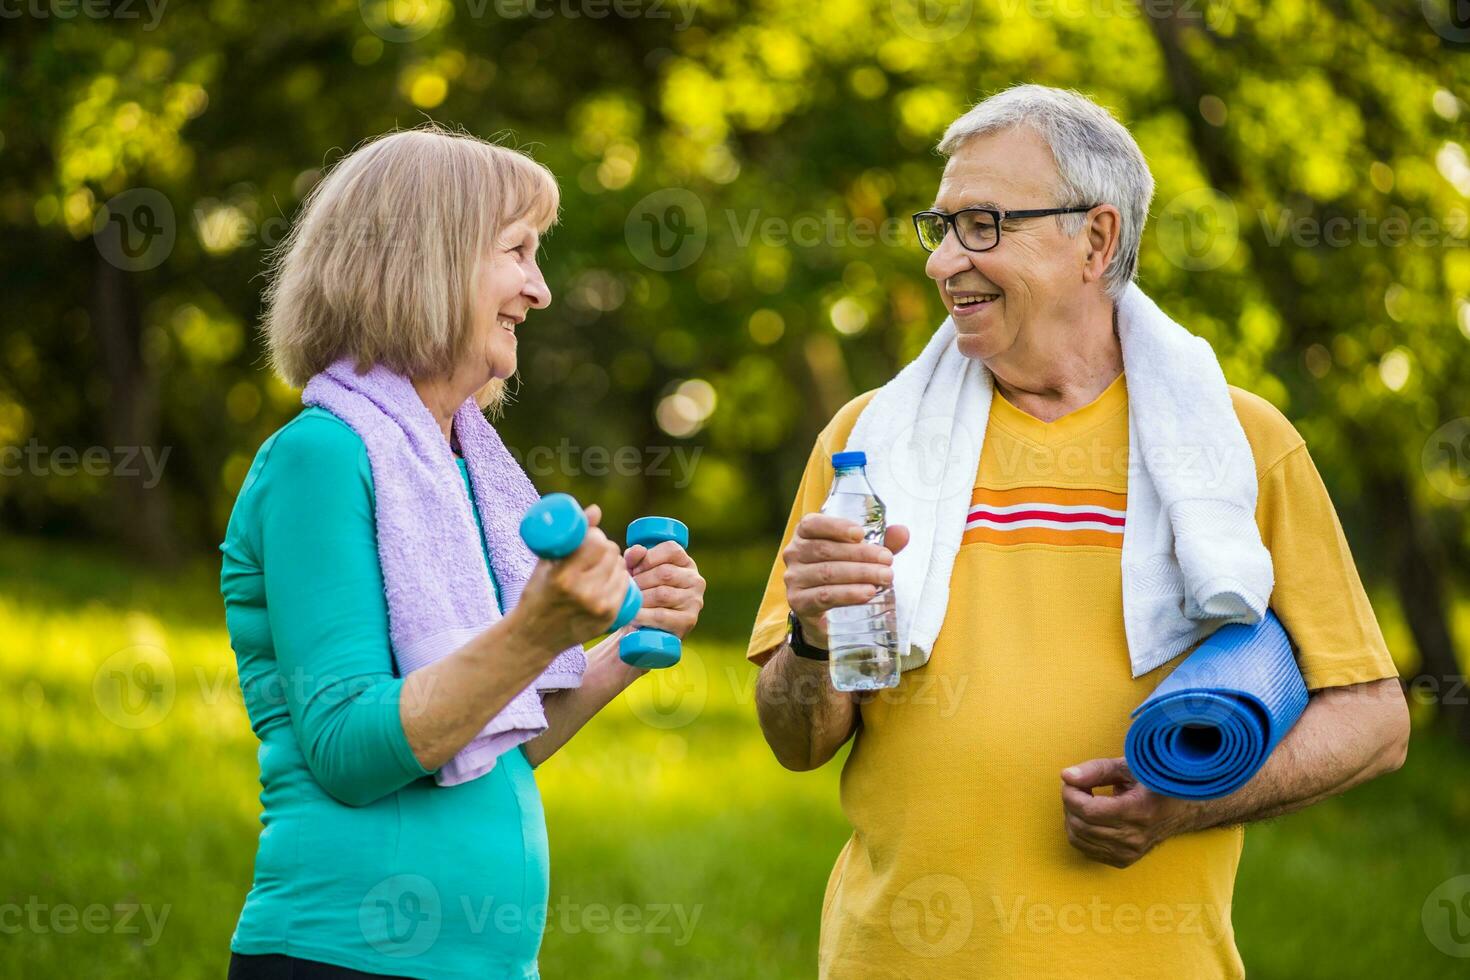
(1419, 583)
(143, 512)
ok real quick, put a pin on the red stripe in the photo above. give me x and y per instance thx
(1045, 515)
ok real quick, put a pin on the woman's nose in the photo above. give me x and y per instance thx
(536, 289)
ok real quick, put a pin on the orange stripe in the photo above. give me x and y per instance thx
(1050, 495)
(1042, 535)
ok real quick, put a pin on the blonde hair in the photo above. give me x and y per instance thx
(380, 264)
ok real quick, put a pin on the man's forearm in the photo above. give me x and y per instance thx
(804, 718)
(1346, 736)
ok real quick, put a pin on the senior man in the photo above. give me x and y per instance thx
(996, 830)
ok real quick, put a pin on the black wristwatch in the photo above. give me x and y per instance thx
(798, 644)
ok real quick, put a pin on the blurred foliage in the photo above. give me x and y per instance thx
(794, 138)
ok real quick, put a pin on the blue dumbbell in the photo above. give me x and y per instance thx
(648, 647)
(554, 528)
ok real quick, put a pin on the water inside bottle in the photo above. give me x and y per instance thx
(863, 639)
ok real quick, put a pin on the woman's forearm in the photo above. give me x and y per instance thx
(567, 711)
(444, 705)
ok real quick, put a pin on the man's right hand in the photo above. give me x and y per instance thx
(828, 564)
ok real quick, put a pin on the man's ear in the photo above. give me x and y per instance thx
(1100, 236)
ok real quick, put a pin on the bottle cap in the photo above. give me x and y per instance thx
(842, 461)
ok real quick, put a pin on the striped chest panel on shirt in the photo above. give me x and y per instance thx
(1046, 515)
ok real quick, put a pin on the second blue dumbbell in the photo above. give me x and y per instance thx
(648, 647)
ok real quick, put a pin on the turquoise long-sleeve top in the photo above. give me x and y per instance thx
(363, 860)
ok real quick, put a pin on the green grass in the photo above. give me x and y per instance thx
(669, 801)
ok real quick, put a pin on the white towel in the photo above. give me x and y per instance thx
(1192, 556)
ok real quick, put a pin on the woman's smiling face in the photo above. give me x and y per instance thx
(508, 283)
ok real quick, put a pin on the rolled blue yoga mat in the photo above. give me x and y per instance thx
(1211, 725)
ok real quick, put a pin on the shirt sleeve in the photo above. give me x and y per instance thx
(770, 620)
(328, 612)
(816, 481)
(1318, 595)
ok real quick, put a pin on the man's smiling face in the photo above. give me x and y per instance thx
(997, 296)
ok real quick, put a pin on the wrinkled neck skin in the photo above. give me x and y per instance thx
(1062, 363)
(443, 396)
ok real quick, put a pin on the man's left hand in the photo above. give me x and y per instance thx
(1118, 830)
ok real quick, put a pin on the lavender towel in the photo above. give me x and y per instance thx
(440, 595)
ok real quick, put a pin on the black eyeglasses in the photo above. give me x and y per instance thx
(978, 229)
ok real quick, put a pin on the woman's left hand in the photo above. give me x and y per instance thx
(673, 590)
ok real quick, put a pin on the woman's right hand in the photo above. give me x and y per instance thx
(577, 597)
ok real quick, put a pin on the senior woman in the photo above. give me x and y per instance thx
(405, 661)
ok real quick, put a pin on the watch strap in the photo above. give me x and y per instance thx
(797, 641)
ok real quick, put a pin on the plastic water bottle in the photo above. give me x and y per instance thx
(863, 639)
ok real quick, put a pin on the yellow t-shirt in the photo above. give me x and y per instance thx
(959, 864)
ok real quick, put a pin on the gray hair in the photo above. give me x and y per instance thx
(1098, 159)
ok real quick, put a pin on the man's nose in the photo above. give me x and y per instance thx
(948, 260)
